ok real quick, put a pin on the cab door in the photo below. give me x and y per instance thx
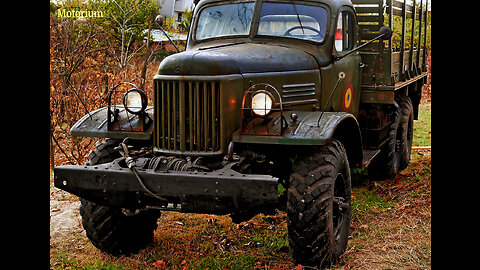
(347, 93)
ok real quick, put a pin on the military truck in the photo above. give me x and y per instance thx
(271, 106)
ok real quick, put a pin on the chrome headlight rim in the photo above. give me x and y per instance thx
(142, 102)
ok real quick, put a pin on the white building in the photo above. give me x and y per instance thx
(174, 8)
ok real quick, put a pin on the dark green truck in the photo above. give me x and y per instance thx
(269, 107)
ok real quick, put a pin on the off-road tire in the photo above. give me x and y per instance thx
(113, 230)
(387, 164)
(406, 127)
(104, 152)
(395, 153)
(319, 206)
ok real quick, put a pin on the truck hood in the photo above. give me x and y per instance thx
(237, 58)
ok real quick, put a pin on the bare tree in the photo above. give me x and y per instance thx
(128, 19)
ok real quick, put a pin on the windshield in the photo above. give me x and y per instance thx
(224, 20)
(293, 20)
(276, 19)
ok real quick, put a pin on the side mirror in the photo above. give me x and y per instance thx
(159, 20)
(385, 33)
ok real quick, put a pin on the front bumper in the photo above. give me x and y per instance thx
(222, 191)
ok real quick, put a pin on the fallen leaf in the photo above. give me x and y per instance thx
(160, 264)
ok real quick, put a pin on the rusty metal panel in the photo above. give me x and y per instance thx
(377, 96)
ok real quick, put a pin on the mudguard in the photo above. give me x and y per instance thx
(306, 129)
(128, 125)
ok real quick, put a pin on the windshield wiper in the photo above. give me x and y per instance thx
(298, 16)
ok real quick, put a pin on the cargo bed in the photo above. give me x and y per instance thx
(393, 64)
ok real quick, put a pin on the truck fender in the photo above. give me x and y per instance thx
(95, 124)
(304, 128)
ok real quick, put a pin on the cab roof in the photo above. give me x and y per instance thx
(333, 4)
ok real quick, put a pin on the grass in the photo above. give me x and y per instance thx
(194, 241)
(391, 226)
(390, 229)
(422, 135)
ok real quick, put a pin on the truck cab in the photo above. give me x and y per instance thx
(267, 108)
(288, 46)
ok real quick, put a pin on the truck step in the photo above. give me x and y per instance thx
(368, 156)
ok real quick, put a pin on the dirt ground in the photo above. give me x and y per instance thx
(65, 219)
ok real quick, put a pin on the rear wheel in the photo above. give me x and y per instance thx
(387, 164)
(406, 130)
(319, 206)
(395, 153)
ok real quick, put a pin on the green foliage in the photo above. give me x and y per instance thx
(169, 24)
(121, 24)
(53, 8)
(186, 19)
(397, 31)
(127, 19)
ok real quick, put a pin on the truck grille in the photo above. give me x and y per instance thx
(187, 116)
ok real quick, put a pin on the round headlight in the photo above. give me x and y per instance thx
(135, 101)
(262, 103)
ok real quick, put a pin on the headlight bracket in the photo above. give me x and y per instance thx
(122, 118)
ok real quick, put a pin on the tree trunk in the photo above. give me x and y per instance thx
(145, 62)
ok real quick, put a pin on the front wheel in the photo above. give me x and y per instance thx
(115, 231)
(319, 206)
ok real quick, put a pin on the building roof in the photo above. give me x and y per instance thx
(158, 36)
